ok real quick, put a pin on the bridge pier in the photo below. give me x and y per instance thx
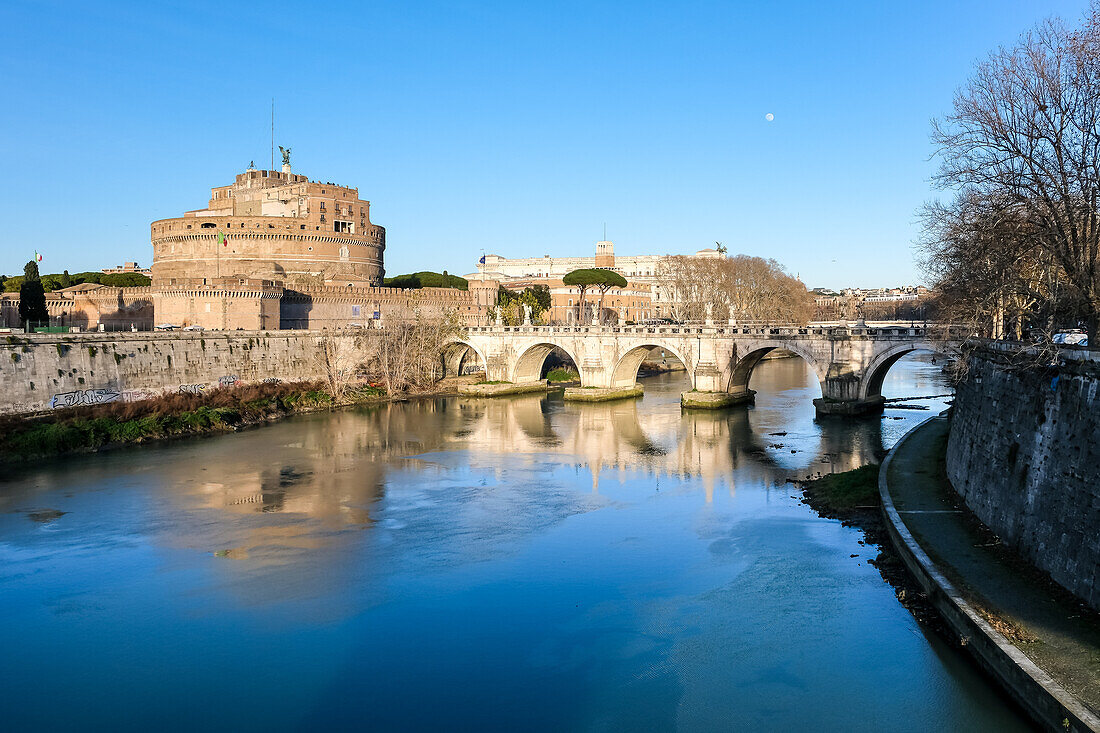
(842, 390)
(716, 400)
(849, 408)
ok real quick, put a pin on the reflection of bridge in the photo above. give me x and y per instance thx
(850, 361)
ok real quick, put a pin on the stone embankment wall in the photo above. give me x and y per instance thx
(40, 372)
(1024, 453)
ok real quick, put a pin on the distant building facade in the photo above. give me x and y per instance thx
(645, 297)
(126, 267)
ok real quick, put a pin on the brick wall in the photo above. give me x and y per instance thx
(1024, 453)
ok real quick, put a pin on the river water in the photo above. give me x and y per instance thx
(454, 564)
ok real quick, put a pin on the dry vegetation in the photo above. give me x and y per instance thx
(360, 366)
(171, 415)
(742, 287)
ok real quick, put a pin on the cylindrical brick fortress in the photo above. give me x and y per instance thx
(263, 247)
(272, 225)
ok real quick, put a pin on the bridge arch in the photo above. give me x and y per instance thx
(528, 367)
(744, 366)
(456, 354)
(875, 373)
(625, 373)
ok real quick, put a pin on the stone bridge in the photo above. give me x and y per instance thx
(850, 361)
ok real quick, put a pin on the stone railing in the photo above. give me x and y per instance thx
(695, 329)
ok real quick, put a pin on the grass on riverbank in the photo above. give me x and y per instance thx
(217, 410)
(844, 492)
(853, 498)
(562, 375)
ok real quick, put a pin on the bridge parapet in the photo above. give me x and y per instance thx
(704, 330)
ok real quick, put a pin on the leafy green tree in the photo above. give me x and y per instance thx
(426, 279)
(125, 280)
(12, 284)
(87, 277)
(602, 280)
(51, 282)
(32, 298)
(66, 279)
(537, 297)
(540, 295)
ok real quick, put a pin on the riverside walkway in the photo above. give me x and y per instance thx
(968, 573)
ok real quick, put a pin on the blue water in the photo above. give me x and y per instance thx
(453, 564)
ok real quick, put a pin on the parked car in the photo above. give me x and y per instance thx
(1071, 337)
(193, 328)
(166, 327)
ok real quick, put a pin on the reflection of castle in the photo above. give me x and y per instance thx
(326, 473)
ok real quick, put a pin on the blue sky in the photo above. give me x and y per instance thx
(516, 128)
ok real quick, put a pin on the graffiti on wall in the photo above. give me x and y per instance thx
(83, 397)
(136, 395)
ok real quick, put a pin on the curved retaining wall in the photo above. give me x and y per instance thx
(1024, 454)
(1043, 698)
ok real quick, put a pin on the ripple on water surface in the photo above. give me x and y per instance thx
(506, 564)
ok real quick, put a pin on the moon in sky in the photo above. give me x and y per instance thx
(769, 117)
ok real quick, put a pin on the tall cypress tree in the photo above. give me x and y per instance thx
(32, 297)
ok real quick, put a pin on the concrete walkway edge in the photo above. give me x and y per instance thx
(1043, 698)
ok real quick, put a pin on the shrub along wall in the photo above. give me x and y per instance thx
(1024, 454)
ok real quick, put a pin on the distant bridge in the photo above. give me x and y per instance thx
(850, 361)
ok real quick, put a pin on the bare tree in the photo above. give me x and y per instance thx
(407, 352)
(742, 287)
(1024, 138)
(343, 354)
(991, 269)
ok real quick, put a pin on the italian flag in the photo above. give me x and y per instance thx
(37, 257)
(222, 239)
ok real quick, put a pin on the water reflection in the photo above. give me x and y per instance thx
(480, 564)
(333, 468)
